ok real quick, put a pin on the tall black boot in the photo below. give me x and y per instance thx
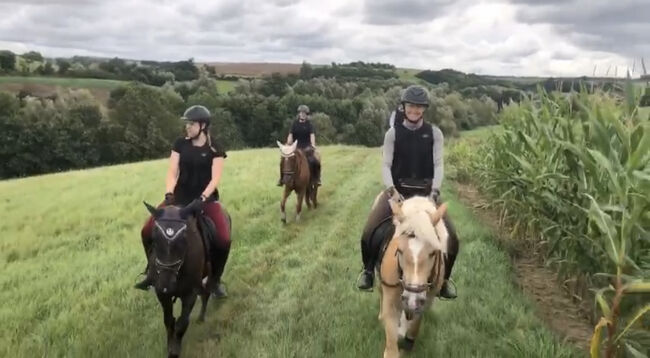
(366, 279)
(148, 271)
(220, 258)
(448, 290)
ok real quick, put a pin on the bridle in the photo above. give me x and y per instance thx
(436, 271)
(171, 235)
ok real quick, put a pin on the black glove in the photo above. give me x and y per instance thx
(169, 199)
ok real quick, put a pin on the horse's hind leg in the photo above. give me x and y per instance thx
(181, 324)
(314, 196)
(205, 296)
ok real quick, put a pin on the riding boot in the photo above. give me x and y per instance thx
(366, 279)
(218, 266)
(148, 271)
(448, 290)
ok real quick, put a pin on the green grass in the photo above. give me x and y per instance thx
(70, 252)
(644, 112)
(225, 86)
(63, 82)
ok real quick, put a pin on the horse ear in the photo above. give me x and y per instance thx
(279, 144)
(154, 212)
(396, 208)
(437, 215)
(294, 146)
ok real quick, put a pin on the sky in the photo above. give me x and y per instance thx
(498, 37)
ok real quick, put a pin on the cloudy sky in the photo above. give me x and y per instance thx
(502, 37)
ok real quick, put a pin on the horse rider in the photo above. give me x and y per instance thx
(195, 168)
(302, 131)
(412, 165)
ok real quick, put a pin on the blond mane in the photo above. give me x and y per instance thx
(416, 212)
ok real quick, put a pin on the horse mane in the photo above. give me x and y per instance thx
(417, 220)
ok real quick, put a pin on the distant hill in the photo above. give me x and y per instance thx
(253, 69)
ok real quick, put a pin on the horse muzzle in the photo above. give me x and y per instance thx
(287, 178)
(413, 303)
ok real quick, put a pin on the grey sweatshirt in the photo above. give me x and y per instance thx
(389, 148)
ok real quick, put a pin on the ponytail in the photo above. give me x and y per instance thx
(207, 133)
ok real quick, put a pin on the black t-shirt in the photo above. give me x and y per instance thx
(195, 169)
(301, 132)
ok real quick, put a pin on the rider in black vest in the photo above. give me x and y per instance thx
(412, 165)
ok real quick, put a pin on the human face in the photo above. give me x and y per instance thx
(414, 112)
(192, 129)
(302, 115)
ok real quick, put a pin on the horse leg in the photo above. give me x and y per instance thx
(205, 295)
(314, 196)
(390, 311)
(168, 316)
(301, 197)
(413, 328)
(182, 324)
(308, 197)
(283, 204)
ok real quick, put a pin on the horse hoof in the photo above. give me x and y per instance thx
(284, 221)
(406, 344)
(200, 320)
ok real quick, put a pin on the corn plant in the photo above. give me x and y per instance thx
(572, 174)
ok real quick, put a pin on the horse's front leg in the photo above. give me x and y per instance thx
(390, 312)
(283, 204)
(168, 317)
(182, 324)
(301, 197)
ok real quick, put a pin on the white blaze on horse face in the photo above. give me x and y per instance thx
(412, 300)
(415, 246)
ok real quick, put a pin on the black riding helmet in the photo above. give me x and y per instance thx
(197, 113)
(415, 95)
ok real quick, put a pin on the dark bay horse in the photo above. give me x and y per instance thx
(181, 263)
(296, 176)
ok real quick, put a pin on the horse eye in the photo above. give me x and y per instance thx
(432, 254)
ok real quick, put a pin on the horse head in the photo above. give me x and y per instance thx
(289, 164)
(170, 243)
(422, 246)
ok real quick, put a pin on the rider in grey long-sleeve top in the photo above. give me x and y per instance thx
(412, 165)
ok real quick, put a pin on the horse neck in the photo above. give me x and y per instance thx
(301, 162)
(194, 240)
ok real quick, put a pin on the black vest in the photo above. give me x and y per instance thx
(412, 167)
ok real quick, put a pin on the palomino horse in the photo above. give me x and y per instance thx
(296, 176)
(412, 269)
(180, 264)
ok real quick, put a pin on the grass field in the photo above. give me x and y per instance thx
(70, 252)
(225, 86)
(62, 82)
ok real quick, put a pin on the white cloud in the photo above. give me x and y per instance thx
(487, 37)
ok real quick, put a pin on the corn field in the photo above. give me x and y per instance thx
(572, 175)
